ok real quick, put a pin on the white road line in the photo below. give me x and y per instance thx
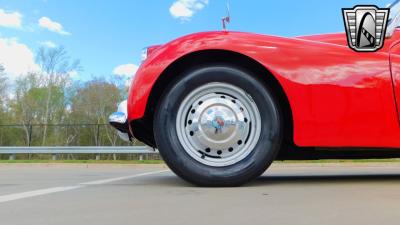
(97, 182)
(29, 194)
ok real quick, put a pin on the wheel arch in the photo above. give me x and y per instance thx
(199, 58)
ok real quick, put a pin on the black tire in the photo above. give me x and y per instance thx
(203, 175)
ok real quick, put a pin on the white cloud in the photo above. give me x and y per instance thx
(16, 58)
(51, 25)
(10, 19)
(185, 9)
(48, 44)
(73, 74)
(126, 70)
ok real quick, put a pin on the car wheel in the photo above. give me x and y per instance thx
(218, 126)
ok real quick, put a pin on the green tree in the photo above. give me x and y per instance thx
(29, 104)
(93, 103)
(26, 105)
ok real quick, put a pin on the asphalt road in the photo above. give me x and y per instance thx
(150, 194)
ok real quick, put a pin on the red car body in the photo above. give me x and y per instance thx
(337, 97)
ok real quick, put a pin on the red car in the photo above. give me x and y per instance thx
(222, 106)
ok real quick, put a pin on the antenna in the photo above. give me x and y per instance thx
(227, 19)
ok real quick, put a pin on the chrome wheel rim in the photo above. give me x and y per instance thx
(218, 124)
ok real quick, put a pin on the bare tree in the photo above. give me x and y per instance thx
(55, 66)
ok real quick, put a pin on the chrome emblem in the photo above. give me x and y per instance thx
(365, 27)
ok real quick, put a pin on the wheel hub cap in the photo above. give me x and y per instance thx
(218, 124)
(221, 123)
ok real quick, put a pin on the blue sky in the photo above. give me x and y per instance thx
(107, 34)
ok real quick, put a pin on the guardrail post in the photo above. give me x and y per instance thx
(98, 135)
(140, 157)
(12, 157)
(30, 135)
(98, 157)
(54, 157)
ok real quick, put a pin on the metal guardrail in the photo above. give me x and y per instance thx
(77, 150)
(12, 151)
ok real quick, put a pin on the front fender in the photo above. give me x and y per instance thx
(252, 45)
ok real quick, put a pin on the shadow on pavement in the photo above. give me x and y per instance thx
(337, 178)
(171, 180)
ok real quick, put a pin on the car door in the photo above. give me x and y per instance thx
(395, 68)
(339, 97)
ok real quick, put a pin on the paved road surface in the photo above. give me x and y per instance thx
(150, 194)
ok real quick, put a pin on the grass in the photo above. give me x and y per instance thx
(161, 162)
